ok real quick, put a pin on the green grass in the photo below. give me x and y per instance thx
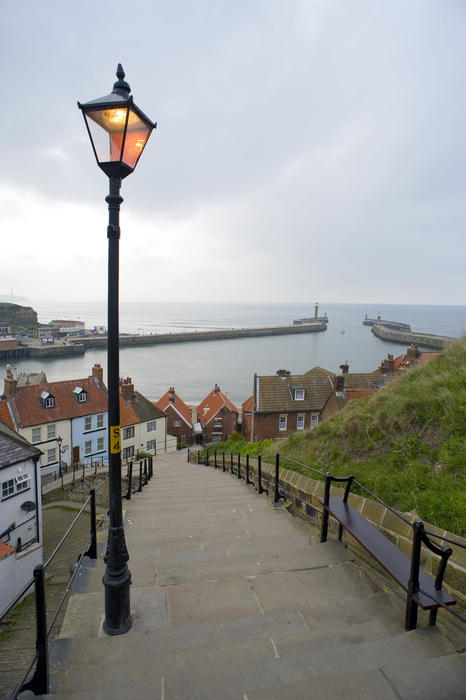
(407, 443)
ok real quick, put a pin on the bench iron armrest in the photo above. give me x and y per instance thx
(328, 482)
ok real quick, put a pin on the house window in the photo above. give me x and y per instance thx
(150, 445)
(8, 488)
(299, 394)
(218, 423)
(23, 482)
(216, 437)
(35, 435)
(177, 424)
(300, 422)
(283, 422)
(151, 426)
(80, 394)
(128, 432)
(88, 447)
(87, 423)
(314, 420)
(52, 455)
(47, 400)
(128, 452)
(51, 432)
(100, 444)
(100, 420)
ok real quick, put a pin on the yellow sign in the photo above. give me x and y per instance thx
(115, 442)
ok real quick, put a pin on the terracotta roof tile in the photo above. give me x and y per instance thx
(183, 409)
(247, 405)
(5, 550)
(5, 415)
(138, 409)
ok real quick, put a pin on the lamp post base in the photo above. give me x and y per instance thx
(117, 604)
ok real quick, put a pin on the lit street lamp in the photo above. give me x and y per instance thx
(118, 131)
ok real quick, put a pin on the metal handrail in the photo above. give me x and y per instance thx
(379, 500)
(16, 599)
(52, 556)
(306, 466)
(445, 539)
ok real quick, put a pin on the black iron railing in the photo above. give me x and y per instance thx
(420, 535)
(39, 682)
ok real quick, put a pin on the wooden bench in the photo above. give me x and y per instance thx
(405, 570)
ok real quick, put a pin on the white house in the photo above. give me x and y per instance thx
(20, 513)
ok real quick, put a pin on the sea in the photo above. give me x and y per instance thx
(193, 368)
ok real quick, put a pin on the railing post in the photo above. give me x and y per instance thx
(259, 474)
(146, 480)
(139, 489)
(130, 478)
(324, 530)
(413, 585)
(84, 467)
(247, 471)
(198, 456)
(223, 461)
(239, 466)
(207, 458)
(151, 467)
(92, 549)
(188, 455)
(39, 683)
(231, 463)
(74, 471)
(215, 459)
(276, 496)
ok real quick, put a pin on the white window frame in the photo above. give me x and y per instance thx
(151, 445)
(87, 424)
(35, 431)
(128, 432)
(23, 482)
(301, 394)
(300, 421)
(314, 419)
(283, 422)
(128, 452)
(51, 431)
(51, 455)
(8, 489)
(101, 444)
(49, 402)
(87, 448)
(82, 397)
(100, 420)
(177, 423)
(151, 426)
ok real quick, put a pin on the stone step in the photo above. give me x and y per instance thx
(226, 671)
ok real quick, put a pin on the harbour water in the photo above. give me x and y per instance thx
(194, 368)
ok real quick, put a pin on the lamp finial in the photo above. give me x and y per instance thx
(121, 86)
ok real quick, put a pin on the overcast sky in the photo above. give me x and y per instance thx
(305, 150)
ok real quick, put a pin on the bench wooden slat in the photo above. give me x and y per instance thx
(396, 563)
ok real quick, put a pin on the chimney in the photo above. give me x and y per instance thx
(316, 312)
(126, 389)
(388, 365)
(344, 368)
(98, 373)
(216, 389)
(171, 394)
(412, 352)
(283, 373)
(340, 386)
(10, 383)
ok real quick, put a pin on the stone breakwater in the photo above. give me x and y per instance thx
(438, 342)
(155, 339)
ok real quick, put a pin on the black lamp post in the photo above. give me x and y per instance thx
(119, 131)
(59, 442)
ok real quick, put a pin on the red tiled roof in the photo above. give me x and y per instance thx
(138, 409)
(5, 415)
(247, 405)
(5, 550)
(183, 409)
(30, 411)
(212, 404)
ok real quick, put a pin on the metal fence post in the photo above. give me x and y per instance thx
(276, 496)
(324, 530)
(92, 549)
(146, 480)
(248, 481)
(39, 683)
(239, 466)
(259, 474)
(140, 478)
(231, 463)
(188, 455)
(413, 585)
(223, 461)
(130, 478)
(215, 459)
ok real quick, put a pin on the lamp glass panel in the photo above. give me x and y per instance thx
(137, 135)
(107, 127)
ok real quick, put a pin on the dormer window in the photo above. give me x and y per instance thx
(298, 395)
(47, 400)
(80, 394)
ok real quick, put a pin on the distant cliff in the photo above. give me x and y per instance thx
(17, 316)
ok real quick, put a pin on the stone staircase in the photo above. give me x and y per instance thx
(234, 598)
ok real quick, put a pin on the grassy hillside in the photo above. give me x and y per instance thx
(407, 443)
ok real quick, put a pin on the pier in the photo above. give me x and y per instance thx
(429, 340)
